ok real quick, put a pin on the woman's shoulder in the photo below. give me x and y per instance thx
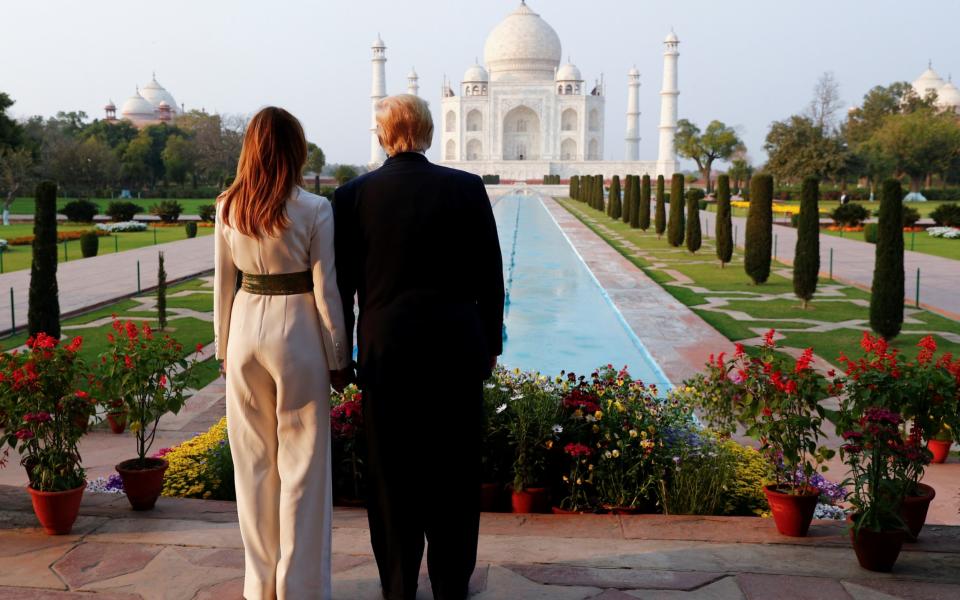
(308, 201)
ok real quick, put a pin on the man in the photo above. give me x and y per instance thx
(417, 243)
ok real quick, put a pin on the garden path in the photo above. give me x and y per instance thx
(94, 281)
(191, 549)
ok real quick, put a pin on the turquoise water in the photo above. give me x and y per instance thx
(558, 317)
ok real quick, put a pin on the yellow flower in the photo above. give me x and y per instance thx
(616, 453)
(596, 429)
(549, 444)
(135, 426)
(633, 433)
(598, 414)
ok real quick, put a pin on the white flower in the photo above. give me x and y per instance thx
(501, 408)
(504, 389)
(517, 397)
(590, 418)
(558, 428)
(489, 386)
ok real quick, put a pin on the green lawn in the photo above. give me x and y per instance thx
(835, 302)
(917, 241)
(19, 257)
(25, 206)
(827, 206)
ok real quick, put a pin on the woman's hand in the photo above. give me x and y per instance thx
(341, 379)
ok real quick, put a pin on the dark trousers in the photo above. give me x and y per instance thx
(423, 471)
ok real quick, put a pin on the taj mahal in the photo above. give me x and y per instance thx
(523, 115)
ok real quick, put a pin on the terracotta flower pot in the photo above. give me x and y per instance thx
(877, 550)
(622, 510)
(913, 511)
(142, 484)
(491, 497)
(117, 421)
(940, 450)
(530, 500)
(792, 513)
(57, 511)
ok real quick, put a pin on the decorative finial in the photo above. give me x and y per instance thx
(929, 63)
(154, 75)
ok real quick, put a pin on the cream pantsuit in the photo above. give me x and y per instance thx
(279, 350)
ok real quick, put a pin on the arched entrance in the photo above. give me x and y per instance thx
(521, 134)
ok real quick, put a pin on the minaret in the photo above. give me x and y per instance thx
(633, 115)
(413, 83)
(666, 159)
(377, 93)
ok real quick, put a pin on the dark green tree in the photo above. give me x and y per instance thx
(44, 308)
(692, 234)
(806, 257)
(675, 226)
(601, 201)
(574, 187)
(643, 218)
(89, 244)
(886, 295)
(635, 203)
(161, 293)
(660, 215)
(724, 230)
(616, 207)
(627, 186)
(758, 244)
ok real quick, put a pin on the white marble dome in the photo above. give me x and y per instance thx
(569, 72)
(671, 38)
(476, 74)
(928, 81)
(948, 96)
(137, 108)
(523, 47)
(155, 93)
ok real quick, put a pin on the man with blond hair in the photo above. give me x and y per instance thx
(417, 244)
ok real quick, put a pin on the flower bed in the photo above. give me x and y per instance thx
(62, 236)
(949, 233)
(123, 226)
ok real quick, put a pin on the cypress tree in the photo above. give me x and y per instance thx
(660, 216)
(44, 304)
(724, 230)
(574, 187)
(675, 225)
(627, 187)
(806, 256)
(758, 244)
(161, 293)
(635, 203)
(616, 207)
(643, 219)
(601, 201)
(693, 219)
(886, 294)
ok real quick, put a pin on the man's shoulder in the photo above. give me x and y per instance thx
(457, 174)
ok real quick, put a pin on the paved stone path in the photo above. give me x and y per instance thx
(191, 549)
(93, 281)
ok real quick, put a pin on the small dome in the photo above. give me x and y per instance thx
(110, 106)
(155, 93)
(378, 43)
(634, 72)
(476, 74)
(523, 47)
(569, 72)
(413, 74)
(928, 81)
(671, 38)
(163, 104)
(948, 96)
(137, 107)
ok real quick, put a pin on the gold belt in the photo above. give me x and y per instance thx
(280, 284)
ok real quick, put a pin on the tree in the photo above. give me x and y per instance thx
(660, 214)
(758, 244)
(693, 236)
(179, 158)
(635, 202)
(643, 218)
(161, 293)
(11, 134)
(344, 173)
(616, 208)
(134, 168)
(16, 172)
(628, 184)
(44, 305)
(574, 187)
(806, 257)
(718, 141)
(918, 144)
(887, 292)
(316, 160)
(724, 227)
(675, 225)
(740, 172)
(798, 148)
(826, 102)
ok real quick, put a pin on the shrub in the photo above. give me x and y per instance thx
(675, 225)
(744, 495)
(201, 467)
(643, 220)
(191, 229)
(724, 227)
(616, 207)
(43, 314)
(660, 213)
(806, 261)
(121, 210)
(910, 216)
(207, 212)
(574, 186)
(946, 215)
(849, 215)
(870, 231)
(701, 469)
(89, 244)
(636, 202)
(628, 184)
(161, 293)
(692, 234)
(598, 193)
(886, 295)
(491, 179)
(758, 244)
(169, 211)
(80, 211)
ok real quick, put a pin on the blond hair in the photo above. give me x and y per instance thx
(404, 124)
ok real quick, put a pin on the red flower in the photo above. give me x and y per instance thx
(577, 450)
(132, 332)
(127, 361)
(803, 363)
(147, 332)
(110, 338)
(82, 394)
(738, 350)
(199, 347)
(24, 434)
(163, 381)
(75, 344)
(767, 412)
(768, 338)
(117, 325)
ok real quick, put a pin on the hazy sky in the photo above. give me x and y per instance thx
(745, 62)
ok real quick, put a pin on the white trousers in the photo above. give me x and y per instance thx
(278, 411)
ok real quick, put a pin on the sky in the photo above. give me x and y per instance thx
(744, 62)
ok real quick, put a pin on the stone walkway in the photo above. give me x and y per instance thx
(191, 549)
(94, 281)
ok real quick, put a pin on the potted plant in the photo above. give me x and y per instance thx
(496, 459)
(932, 397)
(532, 416)
(779, 405)
(875, 450)
(150, 374)
(117, 416)
(43, 412)
(346, 424)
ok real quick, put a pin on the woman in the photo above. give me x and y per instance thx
(418, 244)
(283, 342)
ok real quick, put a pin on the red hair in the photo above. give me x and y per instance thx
(271, 164)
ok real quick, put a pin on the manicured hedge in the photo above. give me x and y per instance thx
(758, 245)
(806, 258)
(44, 304)
(887, 292)
(675, 227)
(724, 227)
(660, 214)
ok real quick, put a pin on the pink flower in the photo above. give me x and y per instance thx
(24, 434)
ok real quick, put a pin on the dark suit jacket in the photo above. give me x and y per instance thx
(418, 245)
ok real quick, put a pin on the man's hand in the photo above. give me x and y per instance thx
(342, 378)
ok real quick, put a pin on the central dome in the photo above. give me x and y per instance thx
(523, 47)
